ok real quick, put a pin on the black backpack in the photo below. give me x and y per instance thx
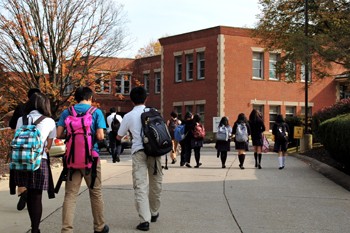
(115, 125)
(155, 135)
(281, 134)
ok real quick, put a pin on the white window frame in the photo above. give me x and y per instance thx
(273, 58)
(200, 65)
(69, 86)
(260, 62)
(104, 85)
(189, 67)
(157, 82)
(146, 82)
(274, 110)
(178, 69)
(125, 83)
(302, 74)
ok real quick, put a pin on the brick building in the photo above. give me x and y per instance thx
(220, 71)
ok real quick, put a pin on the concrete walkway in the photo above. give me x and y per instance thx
(208, 199)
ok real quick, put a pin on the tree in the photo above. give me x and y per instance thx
(151, 49)
(281, 25)
(56, 44)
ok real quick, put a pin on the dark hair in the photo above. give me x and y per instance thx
(241, 118)
(224, 121)
(173, 114)
(255, 116)
(32, 91)
(138, 95)
(82, 93)
(196, 118)
(188, 115)
(39, 102)
(112, 109)
(279, 118)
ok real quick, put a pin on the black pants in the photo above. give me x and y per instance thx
(114, 145)
(35, 208)
(197, 154)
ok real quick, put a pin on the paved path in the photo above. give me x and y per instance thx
(207, 200)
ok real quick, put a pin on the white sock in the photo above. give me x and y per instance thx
(283, 160)
(280, 160)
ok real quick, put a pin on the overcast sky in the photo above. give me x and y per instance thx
(149, 20)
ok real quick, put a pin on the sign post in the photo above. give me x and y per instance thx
(298, 134)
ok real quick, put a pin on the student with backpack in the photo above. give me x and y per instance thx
(257, 127)
(33, 138)
(82, 158)
(198, 133)
(241, 130)
(280, 130)
(113, 122)
(19, 112)
(186, 147)
(223, 140)
(172, 123)
(146, 170)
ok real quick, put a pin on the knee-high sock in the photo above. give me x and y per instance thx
(256, 158)
(280, 160)
(259, 159)
(34, 206)
(223, 157)
(283, 160)
(241, 158)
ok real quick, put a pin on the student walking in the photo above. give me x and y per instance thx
(197, 139)
(222, 144)
(83, 95)
(241, 130)
(257, 128)
(37, 111)
(172, 123)
(280, 130)
(146, 170)
(114, 144)
(186, 147)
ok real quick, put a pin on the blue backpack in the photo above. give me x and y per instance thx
(27, 147)
(179, 133)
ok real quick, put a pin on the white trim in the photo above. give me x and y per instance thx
(189, 51)
(198, 50)
(258, 49)
(221, 74)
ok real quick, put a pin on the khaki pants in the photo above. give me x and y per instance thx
(147, 186)
(71, 191)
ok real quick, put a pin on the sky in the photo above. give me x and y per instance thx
(149, 20)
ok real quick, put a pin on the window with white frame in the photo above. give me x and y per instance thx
(178, 110)
(189, 108)
(200, 111)
(157, 83)
(189, 67)
(146, 82)
(258, 64)
(274, 111)
(178, 69)
(102, 83)
(123, 83)
(290, 111)
(302, 74)
(69, 86)
(274, 57)
(200, 65)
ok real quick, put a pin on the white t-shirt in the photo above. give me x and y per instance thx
(110, 120)
(132, 122)
(47, 127)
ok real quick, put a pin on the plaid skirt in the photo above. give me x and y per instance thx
(39, 179)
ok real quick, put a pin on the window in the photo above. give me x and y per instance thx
(178, 109)
(258, 62)
(274, 111)
(302, 74)
(259, 108)
(274, 57)
(102, 83)
(123, 83)
(189, 67)
(178, 69)
(200, 111)
(309, 113)
(69, 86)
(189, 108)
(290, 111)
(157, 83)
(200, 65)
(146, 82)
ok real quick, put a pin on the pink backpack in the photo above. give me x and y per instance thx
(79, 140)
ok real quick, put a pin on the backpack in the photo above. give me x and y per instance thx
(198, 131)
(27, 147)
(115, 125)
(79, 141)
(172, 125)
(281, 134)
(222, 134)
(155, 135)
(179, 133)
(241, 133)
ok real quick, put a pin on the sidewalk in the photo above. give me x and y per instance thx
(208, 199)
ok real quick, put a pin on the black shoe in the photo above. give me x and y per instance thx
(174, 161)
(182, 164)
(223, 166)
(117, 159)
(241, 167)
(22, 200)
(144, 226)
(281, 167)
(188, 165)
(154, 218)
(105, 230)
(198, 165)
(259, 166)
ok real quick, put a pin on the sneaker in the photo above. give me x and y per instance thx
(144, 226)
(154, 218)
(104, 230)
(22, 200)
(281, 167)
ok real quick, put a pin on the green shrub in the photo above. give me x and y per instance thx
(334, 135)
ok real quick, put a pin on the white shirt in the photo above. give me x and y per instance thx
(47, 127)
(132, 122)
(110, 120)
